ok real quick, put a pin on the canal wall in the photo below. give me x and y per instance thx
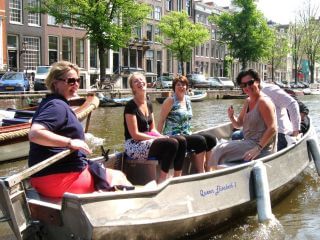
(152, 93)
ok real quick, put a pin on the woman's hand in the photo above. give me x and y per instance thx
(252, 153)
(230, 112)
(78, 144)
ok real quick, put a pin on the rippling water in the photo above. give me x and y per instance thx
(296, 215)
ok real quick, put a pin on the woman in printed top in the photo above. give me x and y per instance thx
(258, 119)
(142, 138)
(175, 120)
(56, 128)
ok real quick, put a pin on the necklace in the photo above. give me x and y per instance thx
(145, 117)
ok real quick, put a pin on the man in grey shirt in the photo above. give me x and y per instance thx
(287, 110)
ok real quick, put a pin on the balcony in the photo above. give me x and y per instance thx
(141, 44)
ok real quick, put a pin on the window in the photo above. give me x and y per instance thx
(207, 50)
(93, 55)
(80, 52)
(34, 18)
(157, 13)
(67, 49)
(53, 49)
(169, 62)
(133, 57)
(197, 17)
(213, 51)
(149, 32)
(51, 20)
(156, 32)
(179, 5)
(198, 52)
(32, 55)
(188, 7)
(213, 34)
(159, 63)
(169, 5)
(137, 32)
(150, 15)
(15, 11)
(149, 60)
(12, 41)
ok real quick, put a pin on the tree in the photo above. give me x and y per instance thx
(108, 23)
(295, 40)
(279, 51)
(181, 36)
(311, 35)
(245, 32)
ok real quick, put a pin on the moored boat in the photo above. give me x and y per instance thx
(197, 96)
(113, 102)
(189, 203)
(14, 142)
(239, 96)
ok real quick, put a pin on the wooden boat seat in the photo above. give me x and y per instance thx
(140, 172)
(43, 208)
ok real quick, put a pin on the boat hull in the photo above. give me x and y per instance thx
(177, 208)
(185, 205)
(198, 96)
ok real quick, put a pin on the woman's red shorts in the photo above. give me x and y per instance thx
(55, 185)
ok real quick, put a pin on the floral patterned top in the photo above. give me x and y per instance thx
(178, 119)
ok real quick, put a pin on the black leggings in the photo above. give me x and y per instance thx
(168, 150)
(200, 142)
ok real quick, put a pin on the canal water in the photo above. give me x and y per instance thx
(296, 215)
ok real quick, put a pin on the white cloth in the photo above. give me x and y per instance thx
(284, 104)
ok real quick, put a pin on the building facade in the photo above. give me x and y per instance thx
(3, 40)
(30, 40)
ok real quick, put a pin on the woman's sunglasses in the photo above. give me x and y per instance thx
(71, 81)
(249, 83)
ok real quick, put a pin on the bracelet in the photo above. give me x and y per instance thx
(259, 146)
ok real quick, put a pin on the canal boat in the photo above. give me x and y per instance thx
(176, 208)
(238, 96)
(196, 96)
(113, 102)
(14, 142)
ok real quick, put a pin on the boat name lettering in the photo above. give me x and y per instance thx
(217, 189)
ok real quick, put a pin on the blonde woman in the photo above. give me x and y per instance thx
(55, 128)
(142, 138)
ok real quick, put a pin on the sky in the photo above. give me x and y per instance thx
(279, 11)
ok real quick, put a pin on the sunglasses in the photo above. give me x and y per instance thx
(71, 81)
(246, 84)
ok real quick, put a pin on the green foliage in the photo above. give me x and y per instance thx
(311, 38)
(180, 35)
(108, 23)
(279, 50)
(245, 32)
(295, 34)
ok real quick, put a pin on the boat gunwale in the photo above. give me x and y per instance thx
(191, 177)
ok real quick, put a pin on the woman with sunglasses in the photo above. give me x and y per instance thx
(258, 120)
(175, 118)
(142, 138)
(56, 128)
